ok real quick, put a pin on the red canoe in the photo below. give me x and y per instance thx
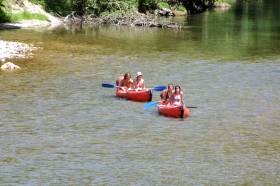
(173, 111)
(135, 95)
(121, 92)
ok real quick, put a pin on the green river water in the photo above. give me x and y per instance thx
(58, 126)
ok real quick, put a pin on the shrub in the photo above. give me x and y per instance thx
(146, 5)
(57, 7)
(3, 16)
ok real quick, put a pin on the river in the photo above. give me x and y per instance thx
(58, 126)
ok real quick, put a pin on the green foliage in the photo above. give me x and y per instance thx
(105, 7)
(181, 8)
(146, 5)
(40, 2)
(57, 7)
(163, 5)
(26, 16)
(3, 16)
(197, 6)
(173, 6)
(79, 6)
(7, 16)
(98, 7)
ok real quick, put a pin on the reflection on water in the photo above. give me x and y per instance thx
(59, 127)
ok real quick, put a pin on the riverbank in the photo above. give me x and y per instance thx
(129, 17)
(24, 14)
(28, 14)
(132, 18)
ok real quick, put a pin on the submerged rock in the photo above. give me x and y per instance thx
(9, 66)
(222, 6)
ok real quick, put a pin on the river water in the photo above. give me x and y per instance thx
(58, 126)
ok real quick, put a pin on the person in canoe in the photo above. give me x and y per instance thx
(166, 94)
(139, 82)
(177, 98)
(125, 82)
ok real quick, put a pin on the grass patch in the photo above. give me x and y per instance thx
(181, 8)
(27, 16)
(163, 5)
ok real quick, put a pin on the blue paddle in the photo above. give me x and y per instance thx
(156, 88)
(159, 88)
(108, 85)
(150, 104)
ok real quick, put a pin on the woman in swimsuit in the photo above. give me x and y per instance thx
(139, 82)
(177, 99)
(166, 94)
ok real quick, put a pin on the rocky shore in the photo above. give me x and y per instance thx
(12, 50)
(131, 18)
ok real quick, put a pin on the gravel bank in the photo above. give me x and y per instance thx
(12, 50)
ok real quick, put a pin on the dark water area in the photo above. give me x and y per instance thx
(58, 126)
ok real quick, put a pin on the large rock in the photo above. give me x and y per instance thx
(9, 66)
(165, 12)
(222, 6)
(73, 18)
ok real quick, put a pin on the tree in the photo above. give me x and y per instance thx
(146, 5)
(79, 6)
(197, 6)
(3, 16)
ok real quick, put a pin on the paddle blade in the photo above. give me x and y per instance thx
(159, 88)
(107, 85)
(191, 107)
(150, 104)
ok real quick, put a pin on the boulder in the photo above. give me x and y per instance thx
(222, 6)
(9, 66)
(165, 12)
(73, 18)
